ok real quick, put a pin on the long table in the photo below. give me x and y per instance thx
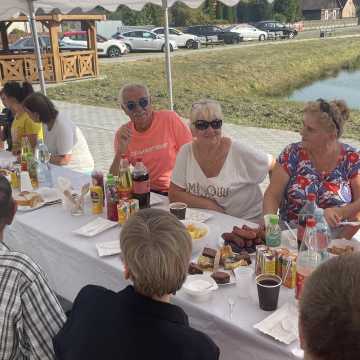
(71, 261)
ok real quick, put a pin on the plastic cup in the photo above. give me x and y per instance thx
(268, 286)
(243, 275)
(178, 209)
(25, 182)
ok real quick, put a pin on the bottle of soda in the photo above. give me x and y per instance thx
(42, 157)
(111, 198)
(310, 256)
(25, 150)
(322, 231)
(306, 212)
(125, 182)
(141, 184)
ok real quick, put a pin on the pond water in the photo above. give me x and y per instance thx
(345, 86)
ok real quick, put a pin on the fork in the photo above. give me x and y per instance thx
(231, 303)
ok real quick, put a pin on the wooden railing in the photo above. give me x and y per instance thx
(73, 65)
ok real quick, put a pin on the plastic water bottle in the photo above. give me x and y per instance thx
(42, 156)
(273, 232)
(322, 231)
(141, 184)
(309, 258)
(307, 211)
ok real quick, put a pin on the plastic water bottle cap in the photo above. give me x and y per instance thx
(311, 197)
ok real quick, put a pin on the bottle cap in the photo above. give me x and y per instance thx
(274, 219)
(310, 222)
(311, 197)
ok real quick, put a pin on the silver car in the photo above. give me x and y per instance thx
(144, 40)
(182, 40)
(249, 32)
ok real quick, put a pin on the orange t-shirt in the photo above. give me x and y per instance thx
(158, 146)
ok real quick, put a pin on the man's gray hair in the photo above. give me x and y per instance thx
(128, 87)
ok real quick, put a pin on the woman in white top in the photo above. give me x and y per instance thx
(216, 173)
(64, 139)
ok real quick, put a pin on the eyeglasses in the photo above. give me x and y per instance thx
(326, 108)
(203, 124)
(143, 103)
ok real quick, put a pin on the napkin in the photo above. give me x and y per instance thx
(281, 324)
(108, 248)
(197, 215)
(95, 227)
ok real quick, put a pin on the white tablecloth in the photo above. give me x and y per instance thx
(71, 261)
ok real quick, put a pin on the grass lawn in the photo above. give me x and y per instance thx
(252, 83)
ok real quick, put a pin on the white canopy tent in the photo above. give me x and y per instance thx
(10, 8)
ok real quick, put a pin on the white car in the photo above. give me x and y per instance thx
(107, 47)
(144, 40)
(249, 32)
(182, 40)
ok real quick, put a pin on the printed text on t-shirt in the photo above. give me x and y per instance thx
(209, 191)
(149, 149)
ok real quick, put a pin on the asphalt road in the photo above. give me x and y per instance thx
(303, 36)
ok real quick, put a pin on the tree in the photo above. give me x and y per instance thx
(182, 15)
(254, 10)
(290, 9)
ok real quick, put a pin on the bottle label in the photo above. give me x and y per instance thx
(300, 281)
(141, 187)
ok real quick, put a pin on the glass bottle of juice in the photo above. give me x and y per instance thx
(125, 182)
(111, 198)
(26, 149)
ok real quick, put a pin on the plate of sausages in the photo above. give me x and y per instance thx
(243, 238)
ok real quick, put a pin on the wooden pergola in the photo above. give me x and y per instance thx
(59, 65)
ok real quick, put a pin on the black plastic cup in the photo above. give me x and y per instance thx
(268, 286)
(178, 209)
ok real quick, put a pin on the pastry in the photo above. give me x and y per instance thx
(211, 253)
(27, 198)
(221, 277)
(205, 262)
(194, 269)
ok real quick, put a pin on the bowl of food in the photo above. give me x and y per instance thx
(199, 286)
(198, 232)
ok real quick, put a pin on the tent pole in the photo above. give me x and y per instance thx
(39, 64)
(167, 55)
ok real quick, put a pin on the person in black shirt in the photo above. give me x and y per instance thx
(6, 119)
(139, 322)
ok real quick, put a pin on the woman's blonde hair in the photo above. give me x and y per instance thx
(156, 248)
(332, 115)
(205, 109)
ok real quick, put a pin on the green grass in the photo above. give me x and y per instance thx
(252, 83)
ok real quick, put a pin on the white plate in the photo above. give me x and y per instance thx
(95, 227)
(49, 194)
(23, 208)
(199, 286)
(342, 243)
(198, 244)
(197, 215)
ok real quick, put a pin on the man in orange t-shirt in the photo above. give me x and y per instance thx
(154, 136)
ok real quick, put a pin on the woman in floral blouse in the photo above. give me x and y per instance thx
(319, 164)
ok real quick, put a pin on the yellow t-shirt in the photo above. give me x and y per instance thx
(22, 126)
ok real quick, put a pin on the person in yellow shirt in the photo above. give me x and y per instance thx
(13, 96)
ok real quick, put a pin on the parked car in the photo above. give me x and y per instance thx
(144, 40)
(277, 29)
(248, 32)
(211, 33)
(182, 40)
(106, 47)
(27, 44)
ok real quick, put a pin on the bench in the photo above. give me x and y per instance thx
(327, 32)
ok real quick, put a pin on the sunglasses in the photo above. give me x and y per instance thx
(143, 103)
(326, 108)
(203, 124)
